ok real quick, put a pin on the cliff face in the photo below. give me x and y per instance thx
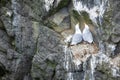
(35, 34)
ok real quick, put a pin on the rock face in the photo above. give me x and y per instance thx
(35, 40)
(48, 54)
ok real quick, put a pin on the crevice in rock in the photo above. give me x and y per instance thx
(117, 50)
(2, 70)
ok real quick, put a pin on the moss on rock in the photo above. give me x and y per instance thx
(86, 17)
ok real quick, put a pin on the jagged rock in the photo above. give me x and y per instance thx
(6, 17)
(51, 43)
(9, 61)
(60, 21)
(3, 59)
(4, 36)
(26, 41)
(59, 16)
(47, 56)
(116, 11)
(52, 4)
(8, 25)
(4, 41)
(39, 9)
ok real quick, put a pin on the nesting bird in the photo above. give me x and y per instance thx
(77, 37)
(87, 35)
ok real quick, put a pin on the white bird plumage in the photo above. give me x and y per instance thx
(87, 35)
(77, 37)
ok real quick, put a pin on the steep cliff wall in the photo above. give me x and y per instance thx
(35, 40)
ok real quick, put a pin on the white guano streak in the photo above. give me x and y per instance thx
(93, 66)
(96, 11)
(48, 4)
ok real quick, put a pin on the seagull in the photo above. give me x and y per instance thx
(87, 35)
(77, 37)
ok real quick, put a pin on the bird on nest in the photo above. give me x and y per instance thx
(77, 37)
(87, 35)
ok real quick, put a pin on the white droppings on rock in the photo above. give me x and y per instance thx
(102, 58)
(68, 39)
(77, 62)
(70, 76)
(96, 11)
(112, 47)
(115, 71)
(48, 4)
(9, 13)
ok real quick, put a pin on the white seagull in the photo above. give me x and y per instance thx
(77, 37)
(87, 35)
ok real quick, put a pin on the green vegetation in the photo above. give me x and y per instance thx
(82, 17)
(86, 17)
(76, 15)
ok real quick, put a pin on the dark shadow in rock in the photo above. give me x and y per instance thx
(2, 70)
(117, 50)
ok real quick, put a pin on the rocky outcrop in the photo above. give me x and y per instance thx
(47, 57)
(35, 40)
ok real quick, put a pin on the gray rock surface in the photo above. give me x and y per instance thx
(32, 47)
(4, 41)
(47, 57)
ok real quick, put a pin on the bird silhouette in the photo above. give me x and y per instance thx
(77, 37)
(87, 35)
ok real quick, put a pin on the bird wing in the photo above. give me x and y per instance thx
(87, 36)
(77, 38)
